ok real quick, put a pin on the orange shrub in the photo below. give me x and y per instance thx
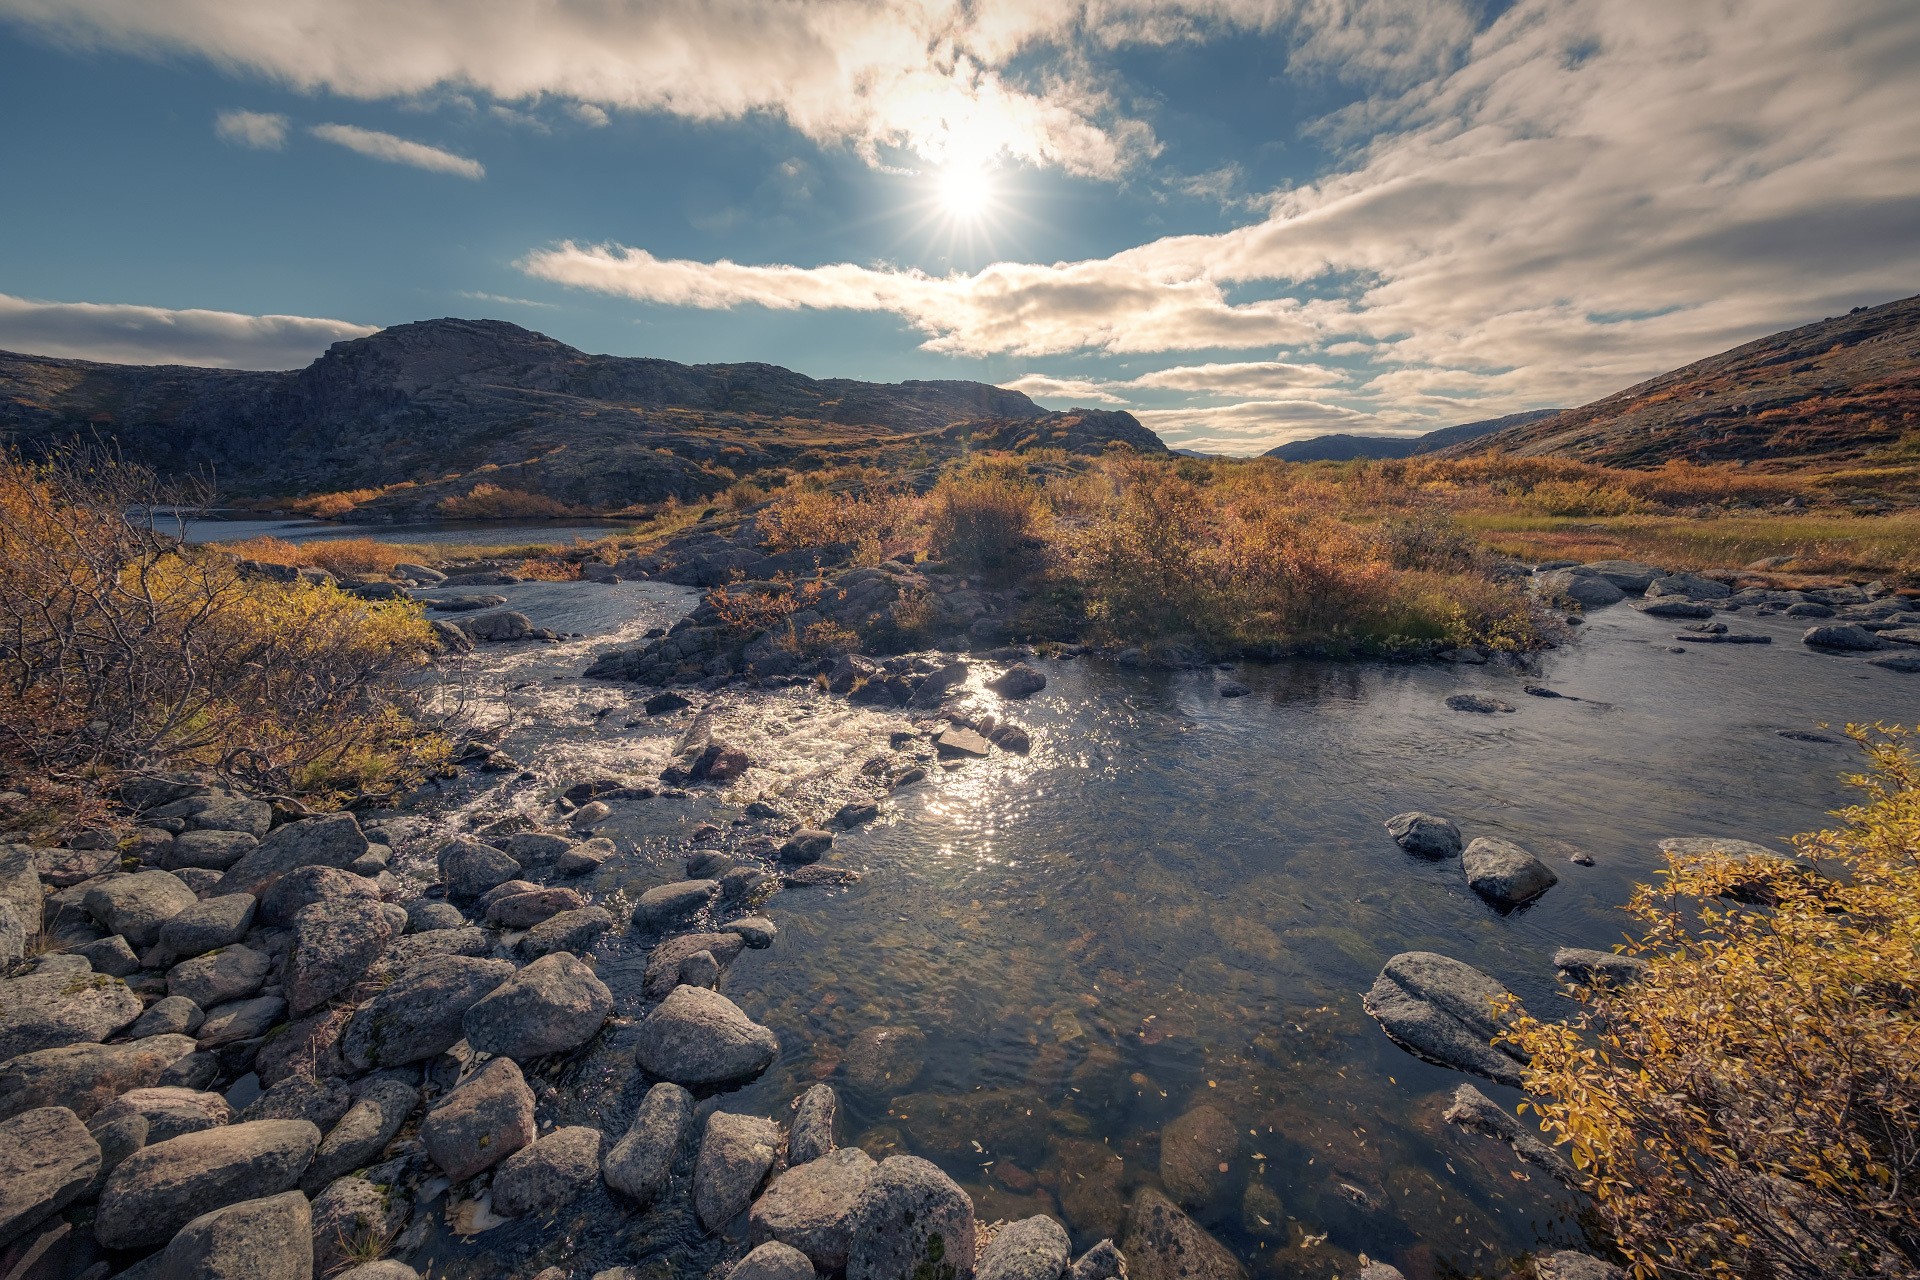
(492, 502)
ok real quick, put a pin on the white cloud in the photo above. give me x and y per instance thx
(1080, 391)
(1251, 426)
(261, 130)
(1258, 377)
(398, 150)
(123, 334)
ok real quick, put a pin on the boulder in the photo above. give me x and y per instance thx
(51, 1008)
(110, 955)
(389, 1269)
(540, 1178)
(241, 1020)
(1472, 1110)
(554, 1005)
(810, 1207)
(525, 910)
(1442, 1011)
(1162, 1243)
(502, 626)
(1505, 874)
(668, 904)
(1844, 637)
(61, 868)
(881, 1061)
(334, 943)
(1671, 607)
(1480, 703)
(1424, 834)
(14, 938)
(160, 1188)
(1197, 1151)
(1018, 681)
(1905, 663)
(639, 1164)
(735, 1154)
(1688, 586)
(699, 1037)
(1101, 1262)
(1591, 968)
(585, 857)
(772, 1261)
(209, 850)
(169, 1015)
(664, 961)
(577, 931)
(427, 915)
(47, 1158)
(812, 1133)
(219, 976)
(958, 742)
(1586, 590)
(210, 923)
(482, 1122)
(218, 811)
(757, 932)
(135, 906)
(302, 887)
(349, 1215)
(422, 1013)
(329, 840)
(86, 1077)
(1033, 1248)
(469, 868)
(806, 845)
(1628, 575)
(911, 1220)
(363, 1132)
(168, 1111)
(266, 1239)
(318, 1102)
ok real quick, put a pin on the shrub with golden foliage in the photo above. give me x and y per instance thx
(121, 650)
(486, 501)
(989, 518)
(852, 509)
(1751, 1107)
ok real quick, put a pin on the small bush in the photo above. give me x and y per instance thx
(492, 502)
(987, 518)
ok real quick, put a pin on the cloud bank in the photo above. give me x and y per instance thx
(123, 334)
(397, 150)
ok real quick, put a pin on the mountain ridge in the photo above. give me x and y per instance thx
(1344, 446)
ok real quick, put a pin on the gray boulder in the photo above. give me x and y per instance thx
(469, 868)
(109, 955)
(1033, 1248)
(210, 923)
(1018, 681)
(363, 1132)
(584, 857)
(757, 932)
(1442, 1011)
(540, 1178)
(772, 1261)
(665, 960)
(1586, 590)
(319, 1102)
(1505, 874)
(639, 1164)
(334, 943)
(210, 850)
(221, 812)
(1845, 637)
(47, 1158)
(241, 1020)
(1628, 575)
(169, 1111)
(51, 1008)
(1424, 834)
(302, 887)
(525, 910)
(734, 1158)
(814, 1117)
(699, 1037)
(86, 1077)
(668, 904)
(810, 1207)
(553, 1005)
(1689, 586)
(329, 840)
(169, 1015)
(136, 906)
(1162, 1243)
(807, 845)
(160, 1188)
(481, 1123)
(388, 1269)
(217, 977)
(349, 1215)
(911, 1220)
(266, 1239)
(422, 1013)
(575, 931)
(426, 915)
(1590, 968)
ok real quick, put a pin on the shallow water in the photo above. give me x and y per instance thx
(1175, 901)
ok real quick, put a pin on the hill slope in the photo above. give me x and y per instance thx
(1344, 448)
(442, 405)
(1831, 392)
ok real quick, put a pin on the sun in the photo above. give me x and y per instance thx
(965, 192)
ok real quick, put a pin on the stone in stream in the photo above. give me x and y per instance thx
(300, 888)
(1587, 590)
(86, 1077)
(329, 840)
(668, 904)
(554, 1005)
(169, 1111)
(1033, 1248)
(1690, 586)
(334, 943)
(1162, 1243)
(814, 1118)
(47, 1158)
(319, 1102)
(1474, 1111)
(807, 845)
(506, 889)
(135, 906)
(662, 973)
(595, 811)
(810, 1206)
(757, 932)
(466, 603)
(1101, 1262)
(577, 931)
(212, 850)
(583, 857)
(421, 1014)
(1424, 834)
(1590, 968)
(882, 1061)
(169, 1015)
(1674, 608)
(700, 970)
(1844, 637)
(772, 1261)
(51, 1008)
(1505, 874)
(735, 1155)
(208, 924)
(540, 1178)
(1442, 1011)
(270, 1238)
(958, 742)
(854, 813)
(1018, 681)
(482, 1122)
(1197, 1151)
(1905, 663)
(362, 1133)
(469, 868)
(911, 1220)
(639, 1164)
(525, 910)
(699, 1037)
(1480, 703)
(160, 1188)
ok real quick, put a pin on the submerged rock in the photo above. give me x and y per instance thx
(1162, 1243)
(1424, 834)
(1484, 704)
(1442, 1011)
(1505, 874)
(1474, 1111)
(1196, 1155)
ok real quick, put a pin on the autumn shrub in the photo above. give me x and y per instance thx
(487, 501)
(122, 650)
(859, 514)
(1750, 1107)
(987, 517)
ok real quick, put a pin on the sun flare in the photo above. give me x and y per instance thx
(964, 191)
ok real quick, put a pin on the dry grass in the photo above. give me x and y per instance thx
(1883, 546)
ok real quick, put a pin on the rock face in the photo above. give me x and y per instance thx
(773, 1261)
(553, 1005)
(47, 1158)
(699, 1037)
(51, 1008)
(1162, 1243)
(810, 1206)
(1034, 1248)
(1442, 1011)
(735, 1154)
(1197, 1151)
(86, 1077)
(812, 1134)
(333, 944)
(912, 1220)
(482, 1122)
(639, 1164)
(1424, 834)
(542, 1177)
(330, 840)
(160, 1188)
(422, 1013)
(266, 1239)
(1505, 874)
(136, 906)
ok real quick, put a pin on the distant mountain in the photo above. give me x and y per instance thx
(440, 406)
(1344, 448)
(1831, 391)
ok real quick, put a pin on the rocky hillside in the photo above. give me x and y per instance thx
(1832, 392)
(428, 411)
(1343, 447)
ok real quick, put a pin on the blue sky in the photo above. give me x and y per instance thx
(1244, 220)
